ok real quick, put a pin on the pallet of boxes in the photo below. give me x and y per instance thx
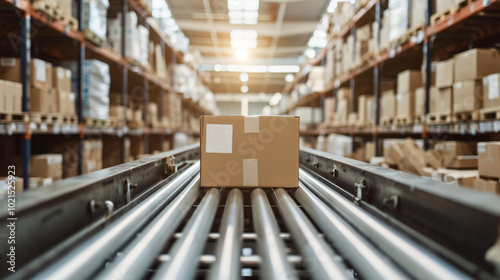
(51, 99)
(408, 83)
(11, 91)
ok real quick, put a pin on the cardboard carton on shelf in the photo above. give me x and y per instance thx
(43, 100)
(420, 102)
(61, 78)
(485, 185)
(11, 95)
(46, 166)
(476, 64)
(444, 100)
(249, 151)
(409, 81)
(10, 69)
(369, 151)
(467, 96)
(444, 73)
(491, 91)
(388, 102)
(452, 150)
(489, 159)
(3, 101)
(405, 104)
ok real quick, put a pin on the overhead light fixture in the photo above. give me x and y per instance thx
(243, 11)
(241, 54)
(243, 39)
(244, 88)
(275, 100)
(218, 68)
(289, 78)
(244, 77)
(310, 53)
(283, 69)
(246, 68)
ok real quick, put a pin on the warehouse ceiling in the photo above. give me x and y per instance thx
(283, 30)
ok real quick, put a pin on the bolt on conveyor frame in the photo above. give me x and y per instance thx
(380, 224)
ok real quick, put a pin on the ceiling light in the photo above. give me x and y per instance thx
(244, 88)
(243, 11)
(275, 100)
(244, 77)
(241, 54)
(283, 69)
(246, 68)
(310, 53)
(289, 78)
(218, 67)
(243, 38)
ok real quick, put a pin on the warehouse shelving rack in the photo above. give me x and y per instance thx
(33, 25)
(425, 46)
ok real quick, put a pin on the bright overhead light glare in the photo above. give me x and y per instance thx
(243, 11)
(283, 68)
(244, 88)
(241, 54)
(289, 78)
(243, 38)
(246, 68)
(310, 53)
(218, 67)
(275, 100)
(244, 77)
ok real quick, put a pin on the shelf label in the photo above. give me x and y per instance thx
(20, 128)
(56, 128)
(2, 128)
(473, 128)
(485, 127)
(392, 53)
(11, 128)
(418, 128)
(43, 127)
(486, 3)
(337, 83)
(420, 36)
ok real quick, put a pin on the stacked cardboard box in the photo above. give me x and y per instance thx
(92, 155)
(137, 37)
(94, 16)
(10, 96)
(491, 93)
(173, 110)
(408, 82)
(152, 115)
(343, 106)
(489, 166)
(47, 166)
(398, 18)
(469, 69)
(329, 111)
(316, 79)
(442, 96)
(388, 102)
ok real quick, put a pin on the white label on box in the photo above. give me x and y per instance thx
(252, 124)
(60, 73)
(219, 138)
(8, 62)
(250, 173)
(40, 70)
(68, 73)
(492, 87)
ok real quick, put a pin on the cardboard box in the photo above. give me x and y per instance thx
(405, 104)
(369, 151)
(434, 98)
(259, 151)
(61, 78)
(467, 96)
(41, 73)
(420, 102)
(362, 114)
(10, 69)
(452, 149)
(12, 96)
(62, 101)
(388, 103)
(17, 92)
(491, 186)
(444, 73)
(444, 100)
(46, 165)
(491, 96)
(489, 159)
(409, 81)
(43, 100)
(2, 96)
(70, 107)
(476, 64)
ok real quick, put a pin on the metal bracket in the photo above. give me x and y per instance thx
(97, 205)
(359, 190)
(127, 187)
(391, 201)
(170, 166)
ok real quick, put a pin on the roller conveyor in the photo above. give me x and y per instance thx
(347, 220)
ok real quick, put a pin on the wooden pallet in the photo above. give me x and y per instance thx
(69, 119)
(96, 122)
(14, 117)
(438, 118)
(386, 122)
(48, 9)
(413, 32)
(439, 17)
(466, 116)
(94, 38)
(46, 118)
(419, 119)
(404, 120)
(70, 21)
(115, 122)
(135, 62)
(492, 113)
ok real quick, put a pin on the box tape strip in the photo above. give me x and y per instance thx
(252, 124)
(250, 173)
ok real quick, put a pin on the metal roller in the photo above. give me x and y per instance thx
(227, 265)
(270, 245)
(417, 260)
(364, 257)
(83, 262)
(191, 245)
(139, 255)
(321, 261)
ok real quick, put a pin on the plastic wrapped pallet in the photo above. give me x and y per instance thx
(94, 16)
(398, 18)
